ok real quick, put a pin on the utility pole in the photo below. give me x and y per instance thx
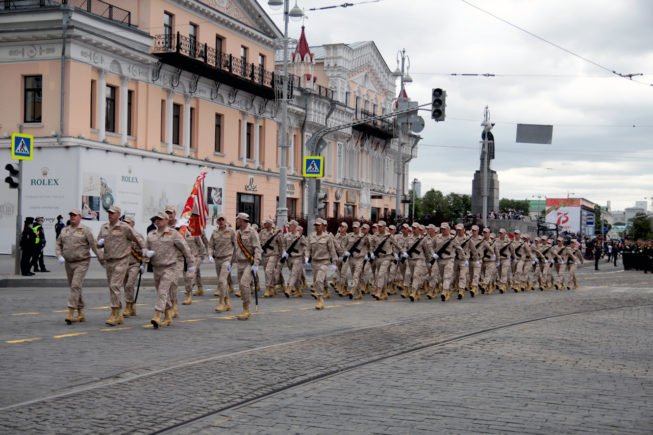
(486, 136)
(404, 77)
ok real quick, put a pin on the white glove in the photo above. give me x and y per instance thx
(149, 254)
(404, 254)
(255, 269)
(100, 243)
(284, 254)
(498, 264)
(435, 256)
(466, 263)
(229, 267)
(211, 260)
(493, 258)
(181, 222)
(191, 269)
(367, 258)
(396, 257)
(577, 263)
(305, 260)
(536, 261)
(347, 254)
(478, 263)
(332, 267)
(61, 259)
(561, 262)
(142, 269)
(372, 256)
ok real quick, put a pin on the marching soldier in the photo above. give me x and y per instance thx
(196, 245)
(506, 253)
(221, 250)
(116, 238)
(434, 282)
(294, 254)
(175, 225)
(385, 250)
(247, 254)
(340, 277)
(321, 253)
(367, 276)
(164, 245)
(404, 241)
(198, 275)
(445, 250)
(415, 255)
(574, 258)
(357, 246)
(461, 265)
(558, 252)
(475, 261)
(489, 253)
(72, 248)
(272, 246)
(522, 255)
(133, 270)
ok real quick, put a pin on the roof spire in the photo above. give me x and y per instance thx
(303, 49)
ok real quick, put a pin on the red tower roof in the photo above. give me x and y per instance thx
(302, 47)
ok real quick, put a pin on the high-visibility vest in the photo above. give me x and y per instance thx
(36, 228)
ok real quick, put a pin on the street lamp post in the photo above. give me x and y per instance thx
(282, 206)
(413, 213)
(404, 77)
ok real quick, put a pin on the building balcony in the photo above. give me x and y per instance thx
(381, 128)
(187, 54)
(98, 8)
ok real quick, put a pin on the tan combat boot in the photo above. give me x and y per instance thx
(174, 311)
(267, 293)
(199, 291)
(221, 307)
(119, 317)
(167, 321)
(227, 303)
(445, 295)
(127, 311)
(319, 305)
(287, 291)
(80, 315)
(245, 314)
(461, 294)
(188, 298)
(405, 293)
(69, 318)
(156, 319)
(473, 292)
(132, 310)
(112, 321)
(216, 292)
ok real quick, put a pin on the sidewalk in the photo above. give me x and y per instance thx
(95, 277)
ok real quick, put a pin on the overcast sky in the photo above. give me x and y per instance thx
(602, 124)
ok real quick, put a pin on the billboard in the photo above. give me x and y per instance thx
(567, 217)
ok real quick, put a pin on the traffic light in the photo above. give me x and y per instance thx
(12, 179)
(321, 200)
(438, 104)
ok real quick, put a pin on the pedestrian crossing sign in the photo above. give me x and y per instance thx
(313, 167)
(22, 146)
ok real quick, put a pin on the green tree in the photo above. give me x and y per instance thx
(641, 227)
(598, 224)
(433, 206)
(458, 206)
(521, 205)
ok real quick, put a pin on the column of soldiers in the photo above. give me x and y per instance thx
(638, 255)
(378, 260)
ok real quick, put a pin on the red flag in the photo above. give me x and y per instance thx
(195, 210)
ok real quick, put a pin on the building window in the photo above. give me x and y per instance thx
(130, 113)
(357, 106)
(33, 96)
(176, 123)
(350, 211)
(110, 124)
(243, 60)
(192, 39)
(261, 68)
(219, 49)
(192, 127)
(261, 145)
(163, 120)
(217, 147)
(374, 109)
(168, 28)
(93, 103)
(249, 141)
(250, 204)
(336, 210)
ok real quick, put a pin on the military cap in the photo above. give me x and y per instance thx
(375, 225)
(75, 211)
(129, 220)
(268, 221)
(366, 226)
(516, 232)
(243, 216)
(169, 209)
(344, 224)
(381, 223)
(392, 227)
(160, 215)
(293, 222)
(460, 227)
(475, 227)
(574, 241)
(431, 227)
(356, 224)
(114, 209)
(221, 216)
(560, 239)
(444, 225)
(502, 231)
(320, 221)
(487, 230)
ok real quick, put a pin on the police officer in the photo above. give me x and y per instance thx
(247, 256)
(72, 248)
(221, 249)
(164, 245)
(322, 255)
(116, 239)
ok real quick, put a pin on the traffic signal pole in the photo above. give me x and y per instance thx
(19, 218)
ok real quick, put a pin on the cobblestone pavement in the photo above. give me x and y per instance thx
(539, 362)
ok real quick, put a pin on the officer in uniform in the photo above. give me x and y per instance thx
(272, 244)
(134, 268)
(116, 238)
(321, 253)
(221, 250)
(356, 246)
(489, 253)
(73, 246)
(164, 245)
(247, 255)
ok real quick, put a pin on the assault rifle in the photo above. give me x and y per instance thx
(441, 250)
(268, 244)
(290, 249)
(412, 249)
(353, 249)
(379, 248)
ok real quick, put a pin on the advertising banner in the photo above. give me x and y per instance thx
(567, 217)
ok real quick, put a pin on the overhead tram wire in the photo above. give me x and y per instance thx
(559, 47)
